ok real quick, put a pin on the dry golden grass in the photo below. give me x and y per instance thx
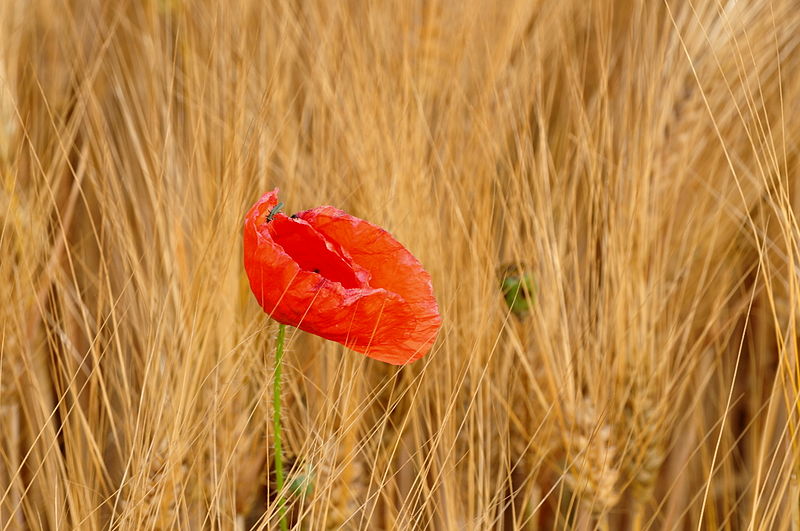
(638, 158)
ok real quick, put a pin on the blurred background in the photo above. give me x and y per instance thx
(627, 165)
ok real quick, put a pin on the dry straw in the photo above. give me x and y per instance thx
(637, 159)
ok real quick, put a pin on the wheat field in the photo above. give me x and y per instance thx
(636, 159)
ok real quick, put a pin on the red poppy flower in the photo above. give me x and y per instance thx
(341, 278)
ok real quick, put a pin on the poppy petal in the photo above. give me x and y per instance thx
(391, 265)
(342, 278)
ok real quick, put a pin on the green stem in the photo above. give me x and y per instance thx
(276, 424)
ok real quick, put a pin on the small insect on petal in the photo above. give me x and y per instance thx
(277, 208)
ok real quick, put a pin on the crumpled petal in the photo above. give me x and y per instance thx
(341, 278)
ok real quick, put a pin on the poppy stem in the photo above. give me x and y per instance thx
(276, 424)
